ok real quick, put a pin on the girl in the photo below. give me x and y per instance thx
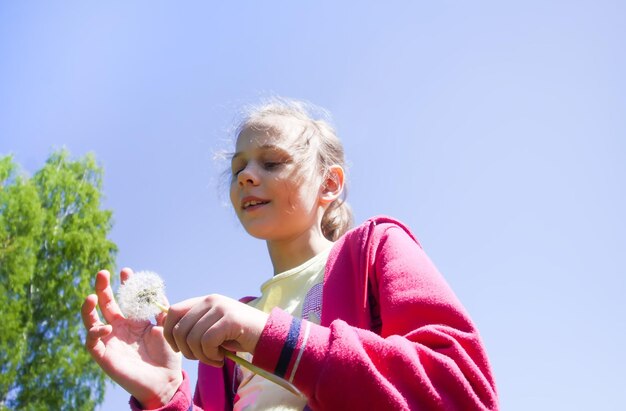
(357, 319)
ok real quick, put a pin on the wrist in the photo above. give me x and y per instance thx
(164, 396)
(255, 334)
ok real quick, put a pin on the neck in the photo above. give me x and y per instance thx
(289, 253)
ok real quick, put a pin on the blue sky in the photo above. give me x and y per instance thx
(495, 131)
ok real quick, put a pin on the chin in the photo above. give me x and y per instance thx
(257, 235)
(258, 230)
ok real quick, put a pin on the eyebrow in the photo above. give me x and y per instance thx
(265, 147)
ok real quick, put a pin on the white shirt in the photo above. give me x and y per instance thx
(298, 291)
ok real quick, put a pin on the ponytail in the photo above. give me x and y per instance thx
(337, 219)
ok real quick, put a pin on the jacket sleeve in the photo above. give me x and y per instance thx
(428, 354)
(181, 401)
(212, 391)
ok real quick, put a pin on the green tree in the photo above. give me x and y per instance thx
(53, 239)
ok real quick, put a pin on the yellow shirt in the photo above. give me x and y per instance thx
(298, 291)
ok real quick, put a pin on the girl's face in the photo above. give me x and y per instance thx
(274, 197)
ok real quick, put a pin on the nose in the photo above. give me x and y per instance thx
(248, 176)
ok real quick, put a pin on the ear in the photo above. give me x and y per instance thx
(332, 186)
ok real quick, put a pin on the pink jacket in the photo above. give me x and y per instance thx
(393, 336)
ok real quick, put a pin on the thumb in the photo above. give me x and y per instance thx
(160, 318)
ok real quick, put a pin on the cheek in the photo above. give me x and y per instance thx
(301, 197)
(233, 195)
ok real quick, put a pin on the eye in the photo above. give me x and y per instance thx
(237, 168)
(271, 165)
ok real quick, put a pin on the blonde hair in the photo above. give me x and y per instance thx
(318, 140)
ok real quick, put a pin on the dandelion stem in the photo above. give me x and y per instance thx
(160, 306)
(265, 374)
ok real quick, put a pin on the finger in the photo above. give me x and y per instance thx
(179, 320)
(182, 330)
(160, 319)
(197, 335)
(173, 316)
(125, 274)
(94, 343)
(212, 340)
(110, 310)
(170, 320)
(89, 313)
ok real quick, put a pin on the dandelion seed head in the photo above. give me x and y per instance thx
(139, 295)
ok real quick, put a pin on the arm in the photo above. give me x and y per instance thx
(428, 354)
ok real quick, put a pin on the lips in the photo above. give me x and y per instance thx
(252, 202)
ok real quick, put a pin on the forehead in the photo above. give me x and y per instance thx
(279, 131)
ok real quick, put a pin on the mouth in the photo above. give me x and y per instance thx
(251, 204)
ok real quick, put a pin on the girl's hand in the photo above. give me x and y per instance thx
(132, 352)
(201, 328)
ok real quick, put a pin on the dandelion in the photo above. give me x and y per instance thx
(142, 296)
